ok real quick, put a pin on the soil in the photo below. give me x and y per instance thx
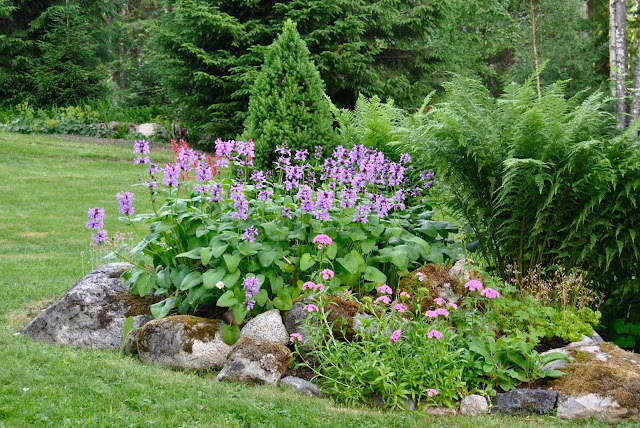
(546, 345)
(302, 372)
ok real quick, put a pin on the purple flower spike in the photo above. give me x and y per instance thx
(141, 146)
(126, 203)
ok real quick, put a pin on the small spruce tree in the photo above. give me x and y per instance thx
(288, 102)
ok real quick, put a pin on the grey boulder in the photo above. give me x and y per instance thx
(266, 327)
(90, 314)
(255, 362)
(474, 405)
(587, 406)
(302, 386)
(183, 342)
(525, 402)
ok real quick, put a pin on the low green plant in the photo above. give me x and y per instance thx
(245, 239)
(413, 347)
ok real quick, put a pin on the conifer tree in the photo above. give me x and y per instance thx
(288, 102)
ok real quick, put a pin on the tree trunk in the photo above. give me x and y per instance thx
(535, 47)
(634, 111)
(618, 58)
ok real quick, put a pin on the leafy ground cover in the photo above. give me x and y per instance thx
(46, 183)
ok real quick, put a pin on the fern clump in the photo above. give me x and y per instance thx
(540, 181)
(288, 102)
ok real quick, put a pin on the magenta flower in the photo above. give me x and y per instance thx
(432, 392)
(405, 294)
(346, 292)
(96, 218)
(319, 287)
(442, 311)
(322, 240)
(452, 305)
(420, 276)
(309, 285)
(126, 203)
(384, 299)
(99, 237)
(490, 293)
(395, 336)
(311, 308)
(431, 314)
(385, 289)
(400, 307)
(439, 301)
(250, 234)
(295, 337)
(434, 334)
(327, 273)
(473, 285)
(141, 146)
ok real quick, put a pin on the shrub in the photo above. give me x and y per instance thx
(402, 350)
(248, 240)
(288, 102)
(541, 181)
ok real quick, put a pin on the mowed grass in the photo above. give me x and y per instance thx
(47, 184)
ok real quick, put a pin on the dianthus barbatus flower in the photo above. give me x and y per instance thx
(395, 336)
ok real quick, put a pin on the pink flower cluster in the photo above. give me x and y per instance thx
(432, 392)
(434, 334)
(309, 285)
(295, 337)
(395, 336)
(400, 307)
(385, 289)
(327, 273)
(405, 294)
(490, 293)
(420, 276)
(322, 240)
(311, 308)
(384, 299)
(473, 285)
(434, 314)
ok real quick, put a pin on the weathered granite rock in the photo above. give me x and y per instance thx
(90, 314)
(130, 346)
(255, 362)
(473, 405)
(447, 292)
(183, 342)
(461, 270)
(302, 386)
(266, 327)
(146, 129)
(596, 338)
(592, 405)
(525, 402)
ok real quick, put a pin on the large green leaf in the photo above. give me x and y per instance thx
(161, 309)
(191, 280)
(230, 334)
(306, 261)
(230, 279)
(350, 262)
(218, 248)
(165, 225)
(283, 301)
(193, 254)
(266, 258)
(374, 275)
(232, 261)
(227, 299)
(211, 277)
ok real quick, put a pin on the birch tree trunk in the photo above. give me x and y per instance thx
(535, 47)
(618, 58)
(634, 111)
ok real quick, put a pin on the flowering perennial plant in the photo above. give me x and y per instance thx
(355, 217)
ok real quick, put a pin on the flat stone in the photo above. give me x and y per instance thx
(183, 342)
(304, 387)
(474, 405)
(266, 327)
(584, 341)
(439, 411)
(407, 403)
(591, 405)
(525, 402)
(255, 362)
(90, 314)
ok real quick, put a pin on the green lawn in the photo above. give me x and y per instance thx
(47, 184)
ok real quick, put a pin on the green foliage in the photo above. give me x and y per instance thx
(287, 102)
(404, 352)
(540, 181)
(209, 242)
(371, 123)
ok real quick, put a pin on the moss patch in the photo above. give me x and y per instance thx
(435, 277)
(619, 377)
(340, 315)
